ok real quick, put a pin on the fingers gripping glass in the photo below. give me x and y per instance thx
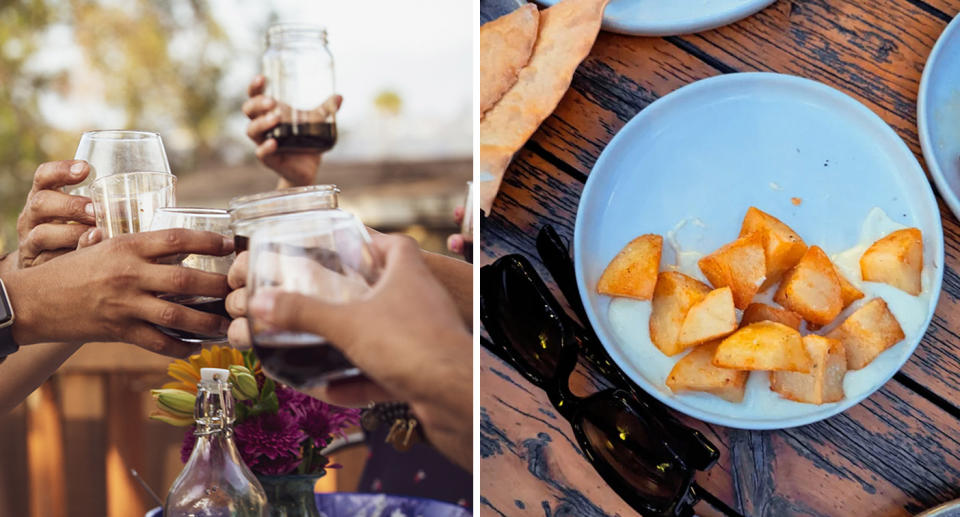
(646, 457)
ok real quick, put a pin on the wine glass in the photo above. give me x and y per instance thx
(325, 255)
(112, 152)
(126, 203)
(206, 219)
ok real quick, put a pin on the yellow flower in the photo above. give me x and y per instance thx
(187, 373)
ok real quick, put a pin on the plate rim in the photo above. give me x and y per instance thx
(630, 28)
(670, 400)
(923, 129)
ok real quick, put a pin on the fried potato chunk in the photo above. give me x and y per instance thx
(712, 317)
(739, 265)
(674, 295)
(867, 332)
(633, 272)
(696, 372)
(765, 345)
(848, 292)
(896, 259)
(762, 312)
(824, 383)
(782, 247)
(812, 288)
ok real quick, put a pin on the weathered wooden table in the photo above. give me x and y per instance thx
(896, 453)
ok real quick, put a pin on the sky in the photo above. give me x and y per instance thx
(421, 49)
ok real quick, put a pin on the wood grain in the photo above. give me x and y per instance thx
(893, 454)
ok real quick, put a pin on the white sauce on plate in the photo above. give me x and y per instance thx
(629, 320)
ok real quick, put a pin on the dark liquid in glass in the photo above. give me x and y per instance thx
(240, 243)
(312, 136)
(301, 360)
(217, 307)
(468, 251)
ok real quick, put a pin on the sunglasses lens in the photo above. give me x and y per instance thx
(533, 329)
(622, 439)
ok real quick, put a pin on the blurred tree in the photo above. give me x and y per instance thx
(388, 102)
(158, 62)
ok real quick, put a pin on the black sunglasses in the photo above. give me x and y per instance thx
(645, 454)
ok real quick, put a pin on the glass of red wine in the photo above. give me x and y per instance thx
(298, 67)
(325, 255)
(205, 219)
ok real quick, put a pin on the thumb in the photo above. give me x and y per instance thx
(300, 313)
(89, 238)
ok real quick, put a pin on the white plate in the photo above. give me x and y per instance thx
(715, 147)
(671, 17)
(938, 114)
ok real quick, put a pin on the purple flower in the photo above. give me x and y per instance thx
(189, 440)
(272, 436)
(279, 466)
(316, 418)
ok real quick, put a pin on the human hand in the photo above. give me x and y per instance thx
(239, 332)
(455, 241)
(52, 222)
(296, 168)
(107, 292)
(405, 335)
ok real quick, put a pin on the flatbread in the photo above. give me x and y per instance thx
(505, 47)
(566, 35)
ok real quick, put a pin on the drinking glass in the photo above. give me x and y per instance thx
(466, 228)
(112, 152)
(125, 203)
(248, 212)
(298, 67)
(325, 255)
(206, 219)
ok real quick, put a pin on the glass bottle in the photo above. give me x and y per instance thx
(298, 67)
(248, 212)
(215, 482)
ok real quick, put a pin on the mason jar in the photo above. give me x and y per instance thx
(248, 212)
(298, 67)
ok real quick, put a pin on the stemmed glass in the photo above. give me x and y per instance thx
(112, 152)
(129, 179)
(325, 255)
(206, 219)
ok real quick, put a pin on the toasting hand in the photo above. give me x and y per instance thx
(296, 168)
(52, 222)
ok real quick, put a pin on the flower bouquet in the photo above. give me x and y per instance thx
(278, 431)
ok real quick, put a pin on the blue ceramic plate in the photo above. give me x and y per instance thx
(382, 505)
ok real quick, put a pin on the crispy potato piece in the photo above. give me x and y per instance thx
(867, 332)
(765, 345)
(762, 312)
(505, 47)
(564, 38)
(633, 272)
(848, 292)
(712, 317)
(782, 247)
(696, 372)
(812, 288)
(896, 259)
(739, 265)
(673, 296)
(824, 383)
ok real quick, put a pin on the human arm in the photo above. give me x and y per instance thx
(107, 292)
(406, 336)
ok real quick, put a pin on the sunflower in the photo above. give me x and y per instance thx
(187, 373)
